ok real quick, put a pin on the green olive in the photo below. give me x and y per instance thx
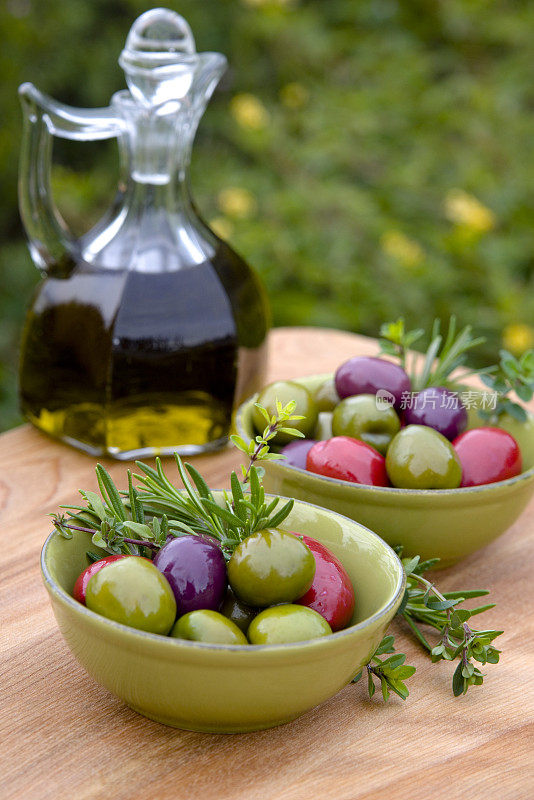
(323, 428)
(269, 567)
(284, 391)
(287, 623)
(236, 611)
(132, 591)
(421, 458)
(326, 398)
(523, 433)
(362, 418)
(205, 625)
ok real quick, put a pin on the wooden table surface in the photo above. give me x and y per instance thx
(62, 736)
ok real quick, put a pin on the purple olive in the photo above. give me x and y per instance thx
(297, 451)
(367, 375)
(438, 408)
(196, 571)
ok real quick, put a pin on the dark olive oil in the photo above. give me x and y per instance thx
(134, 363)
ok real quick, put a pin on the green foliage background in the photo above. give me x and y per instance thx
(331, 155)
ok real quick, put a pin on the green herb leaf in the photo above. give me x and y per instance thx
(201, 485)
(239, 443)
(280, 516)
(109, 492)
(95, 504)
(391, 672)
(140, 529)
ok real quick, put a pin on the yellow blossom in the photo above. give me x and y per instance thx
(222, 227)
(294, 95)
(249, 111)
(465, 210)
(397, 245)
(237, 202)
(259, 3)
(518, 337)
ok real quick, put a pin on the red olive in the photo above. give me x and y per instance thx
(331, 593)
(348, 460)
(487, 455)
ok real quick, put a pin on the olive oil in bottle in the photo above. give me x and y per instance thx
(144, 363)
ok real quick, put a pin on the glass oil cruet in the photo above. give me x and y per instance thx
(146, 330)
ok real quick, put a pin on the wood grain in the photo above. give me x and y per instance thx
(63, 736)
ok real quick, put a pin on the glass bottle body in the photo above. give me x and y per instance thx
(131, 363)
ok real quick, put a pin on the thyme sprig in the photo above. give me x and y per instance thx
(397, 341)
(258, 449)
(424, 604)
(110, 522)
(391, 672)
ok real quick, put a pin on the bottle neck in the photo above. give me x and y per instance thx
(156, 152)
(153, 226)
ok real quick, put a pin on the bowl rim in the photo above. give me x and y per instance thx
(65, 598)
(378, 490)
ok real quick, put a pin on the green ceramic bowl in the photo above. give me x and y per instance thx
(231, 688)
(439, 523)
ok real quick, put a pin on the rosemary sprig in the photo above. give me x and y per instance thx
(442, 357)
(196, 511)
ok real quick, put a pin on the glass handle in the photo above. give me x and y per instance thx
(51, 243)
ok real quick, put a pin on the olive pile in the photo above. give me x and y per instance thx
(277, 587)
(366, 426)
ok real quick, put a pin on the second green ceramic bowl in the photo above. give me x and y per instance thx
(448, 524)
(231, 688)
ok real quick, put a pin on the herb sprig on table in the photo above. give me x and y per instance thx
(424, 605)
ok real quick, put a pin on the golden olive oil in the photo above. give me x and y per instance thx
(134, 363)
